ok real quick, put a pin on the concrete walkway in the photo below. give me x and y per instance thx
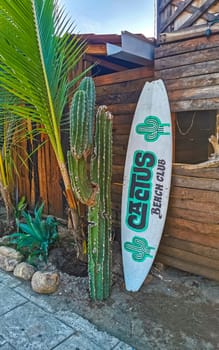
(26, 323)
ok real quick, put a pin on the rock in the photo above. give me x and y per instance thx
(45, 282)
(7, 264)
(24, 271)
(9, 258)
(11, 253)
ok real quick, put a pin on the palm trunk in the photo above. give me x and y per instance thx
(74, 222)
(5, 192)
(6, 196)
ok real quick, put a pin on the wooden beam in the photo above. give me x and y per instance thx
(163, 4)
(120, 87)
(190, 45)
(182, 34)
(193, 258)
(188, 246)
(192, 226)
(195, 182)
(96, 49)
(189, 70)
(173, 117)
(104, 63)
(188, 266)
(182, 7)
(130, 74)
(198, 13)
(191, 105)
(197, 82)
(182, 169)
(184, 59)
(191, 214)
(194, 94)
(192, 9)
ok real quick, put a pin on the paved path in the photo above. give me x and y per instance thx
(25, 324)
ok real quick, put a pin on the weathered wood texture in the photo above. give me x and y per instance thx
(191, 235)
(178, 20)
(120, 92)
(40, 180)
(190, 72)
(192, 132)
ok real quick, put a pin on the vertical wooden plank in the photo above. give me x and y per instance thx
(55, 196)
(173, 115)
(217, 124)
(42, 174)
(24, 172)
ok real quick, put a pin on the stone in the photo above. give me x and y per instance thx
(45, 282)
(24, 270)
(7, 264)
(11, 253)
(9, 258)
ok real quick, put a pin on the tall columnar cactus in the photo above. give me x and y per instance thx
(99, 215)
(90, 161)
(81, 140)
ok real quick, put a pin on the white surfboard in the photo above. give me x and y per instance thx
(146, 184)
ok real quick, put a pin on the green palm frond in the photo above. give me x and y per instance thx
(36, 57)
(12, 133)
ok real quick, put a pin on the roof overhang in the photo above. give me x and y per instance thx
(133, 49)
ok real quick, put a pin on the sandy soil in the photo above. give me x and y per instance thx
(173, 309)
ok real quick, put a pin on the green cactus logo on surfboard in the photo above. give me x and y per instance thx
(152, 128)
(139, 248)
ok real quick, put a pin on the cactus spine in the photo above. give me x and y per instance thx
(93, 187)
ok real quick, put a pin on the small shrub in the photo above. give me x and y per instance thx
(35, 235)
(18, 210)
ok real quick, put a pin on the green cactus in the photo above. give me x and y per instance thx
(93, 186)
(99, 215)
(81, 135)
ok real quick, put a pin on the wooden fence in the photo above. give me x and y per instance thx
(42, 180)
(177, 20)
(120, 92)
(190, 69)
(191, 235)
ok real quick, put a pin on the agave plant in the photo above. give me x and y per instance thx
(35, 235)
(36, 57)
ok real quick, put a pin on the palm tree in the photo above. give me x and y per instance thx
(36, 57)
(11, 134)
(7, 129)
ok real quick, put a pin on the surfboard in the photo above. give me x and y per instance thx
(146, 183)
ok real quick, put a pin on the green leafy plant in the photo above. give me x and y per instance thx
(19, 209)
(10, 136)
(37, 55)
(35, 235)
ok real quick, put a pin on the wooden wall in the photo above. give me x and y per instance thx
(190, 70)
(188, 61)
(178, 19)
(40, 180)
(120, 92)
(191, 234)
